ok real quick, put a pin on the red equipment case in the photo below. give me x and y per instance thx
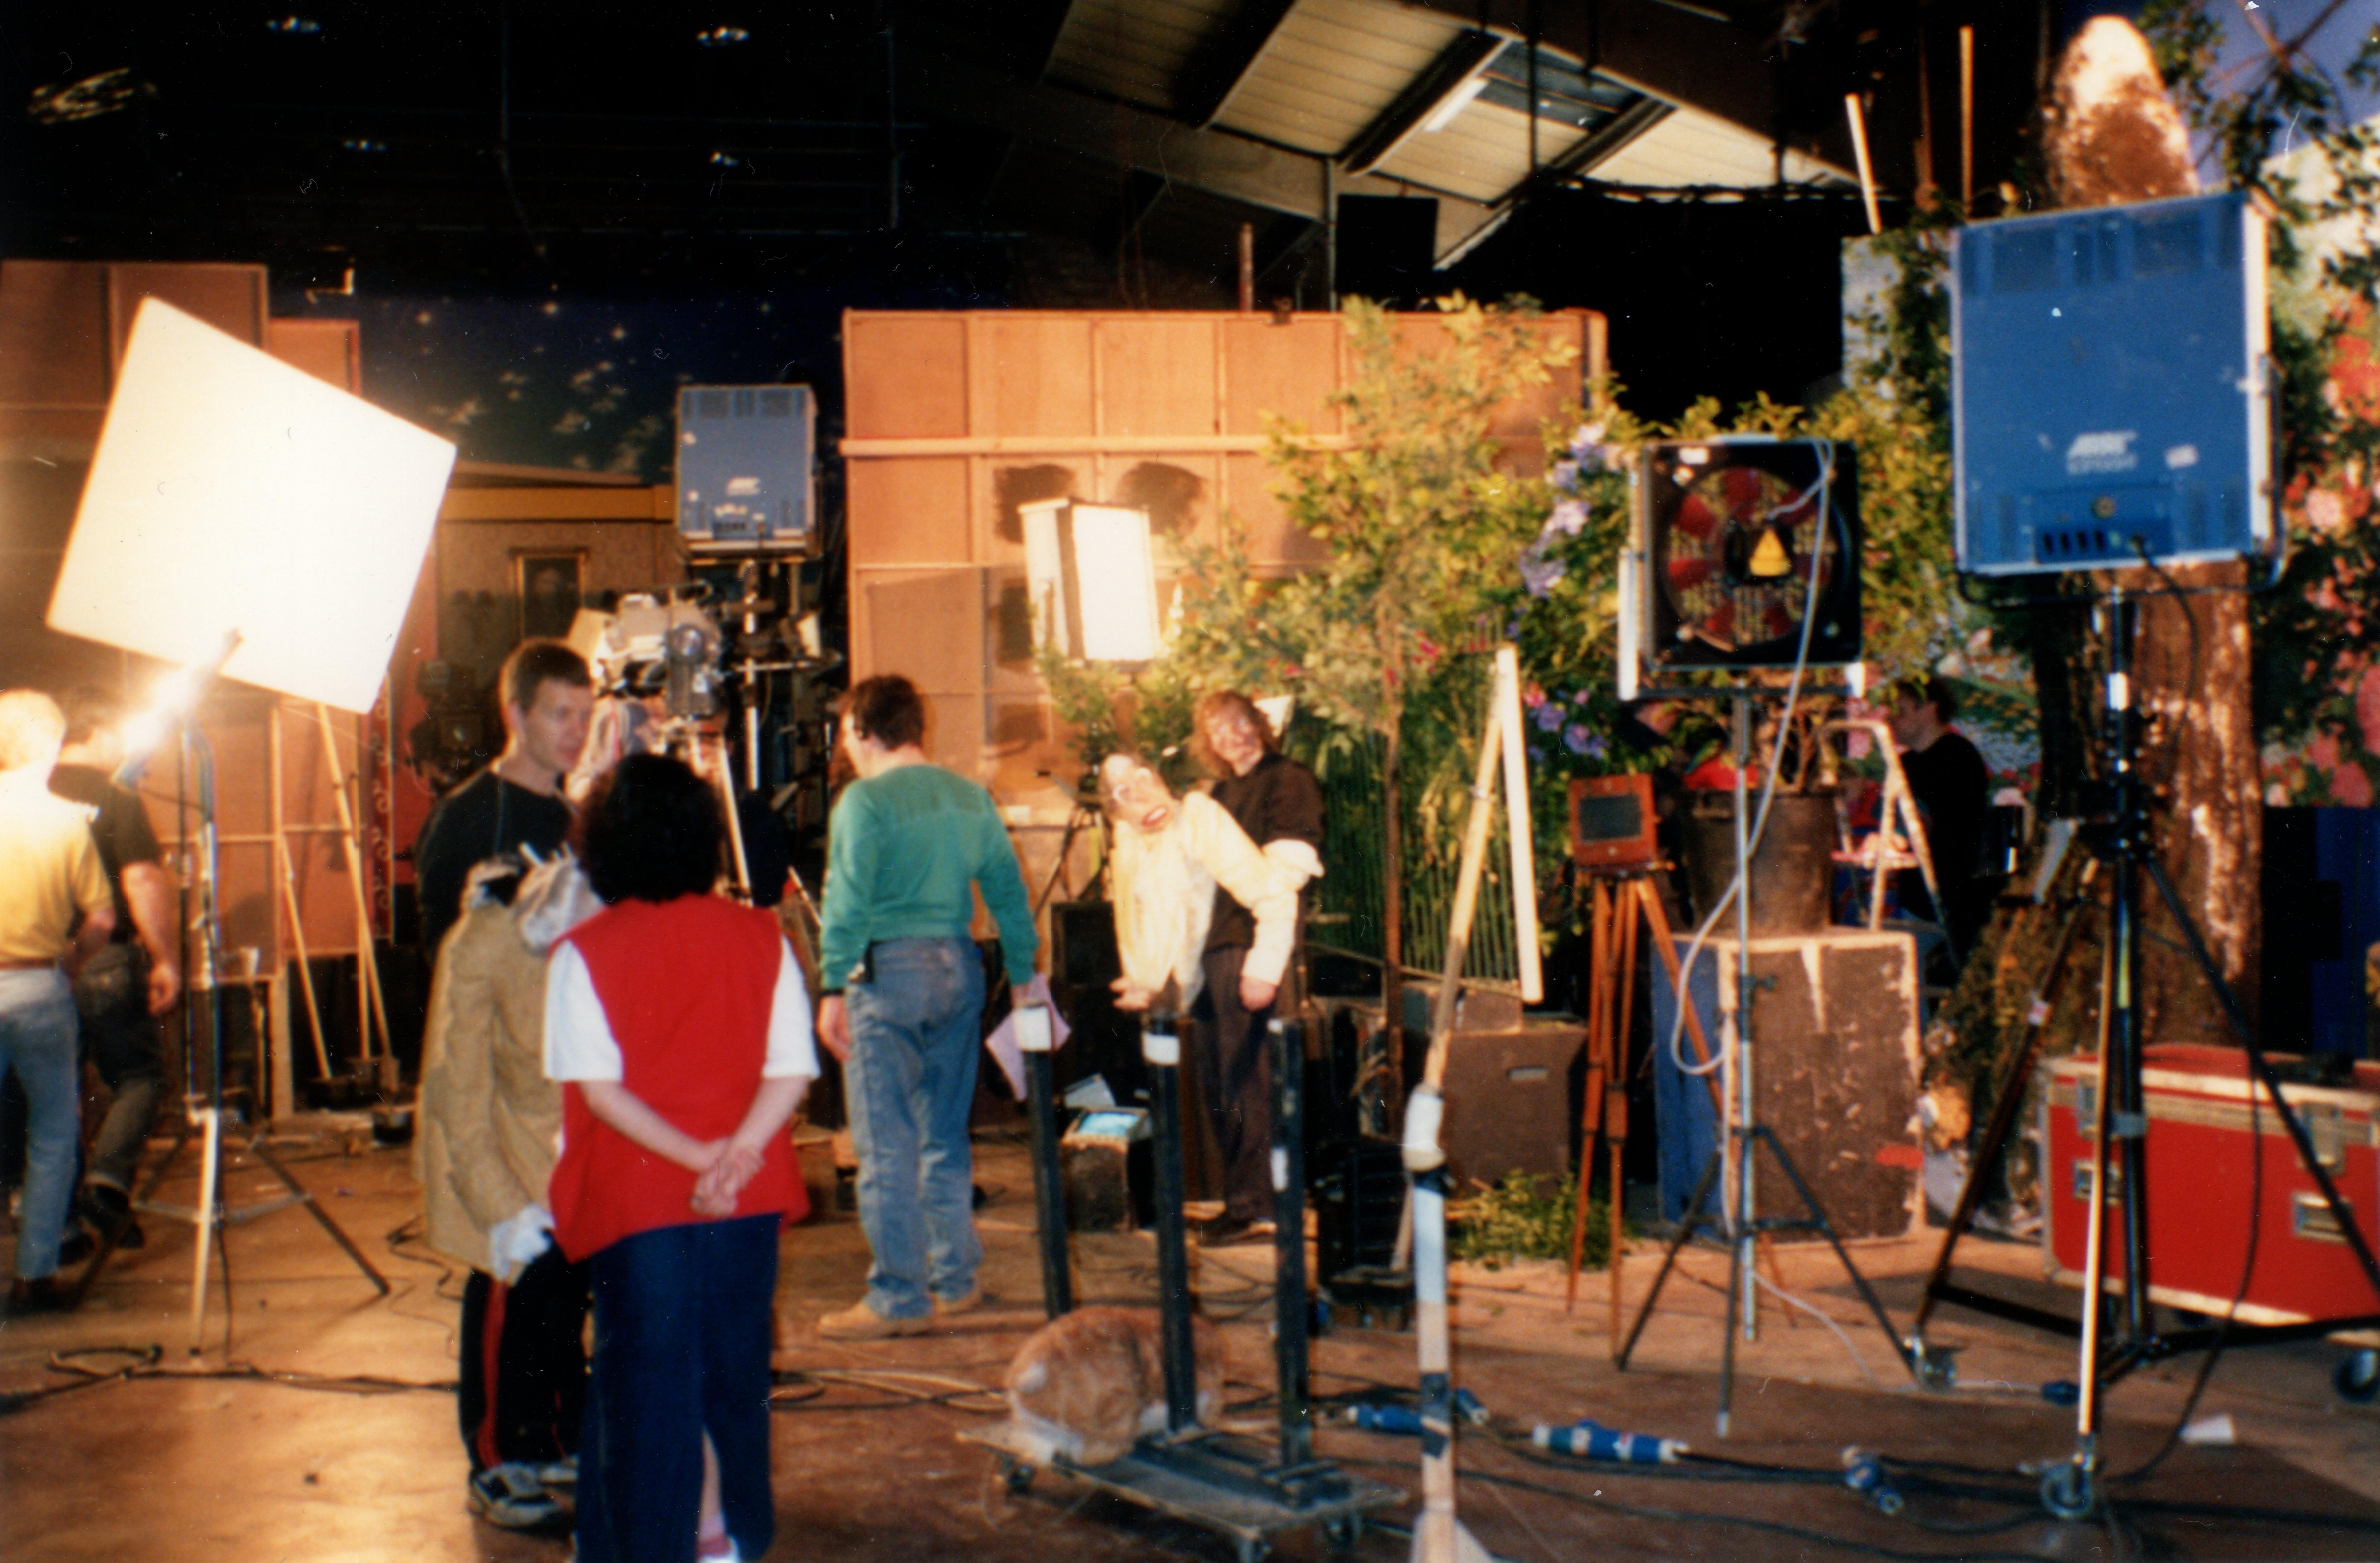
(2199, 1182)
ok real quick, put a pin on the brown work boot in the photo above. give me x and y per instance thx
(860, 1322)
(948, 1307)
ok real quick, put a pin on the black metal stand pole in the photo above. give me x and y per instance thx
(1160, 1049)
(1290, 1303)
(1049, 1182)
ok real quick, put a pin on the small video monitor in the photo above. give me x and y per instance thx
(1611, 822)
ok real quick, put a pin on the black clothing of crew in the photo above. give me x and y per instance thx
(1277, 800)
(1951, 783)
(119, 828)
(479, 819)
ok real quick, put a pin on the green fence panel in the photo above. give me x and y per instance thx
(1350, 897)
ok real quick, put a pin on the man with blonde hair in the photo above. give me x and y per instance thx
(56, 911)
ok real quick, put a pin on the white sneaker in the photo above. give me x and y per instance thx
(511, 1497)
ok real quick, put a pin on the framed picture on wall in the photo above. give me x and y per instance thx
(547, 585)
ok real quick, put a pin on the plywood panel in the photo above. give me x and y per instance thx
(53, 333)
(954, 734)
(1030, 374)
(1272, 537)
(1289, 369)
(332, 351)
(926, 625)
(905, 375)
(229, 297)
(1156, 375)
(908, 512)
(1002, 484)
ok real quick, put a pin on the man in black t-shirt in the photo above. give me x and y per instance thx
(1279, 803)
(520, 1338)
(121, 991)
(548, 699)
(1952, 785)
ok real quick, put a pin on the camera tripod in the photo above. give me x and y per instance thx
(2121, 839)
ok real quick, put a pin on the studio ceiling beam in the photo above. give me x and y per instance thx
(1219, 162)
(1215, 69)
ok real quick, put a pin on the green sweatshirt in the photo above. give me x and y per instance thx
(902, 848)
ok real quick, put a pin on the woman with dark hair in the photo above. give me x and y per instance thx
(678, 1023)
(1278, 803)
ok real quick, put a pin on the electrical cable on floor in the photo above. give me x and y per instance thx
(1783, 1295)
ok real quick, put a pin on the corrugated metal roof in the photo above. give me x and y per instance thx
(1691, 147)
(1482, 152)
(1132, 49)
(1331, 67)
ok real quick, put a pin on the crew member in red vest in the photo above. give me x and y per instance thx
(678, 1023)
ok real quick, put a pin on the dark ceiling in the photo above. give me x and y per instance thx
(442, 144)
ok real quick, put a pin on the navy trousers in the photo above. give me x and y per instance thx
(681, 1333)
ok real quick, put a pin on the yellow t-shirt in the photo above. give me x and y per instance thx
(49, 869)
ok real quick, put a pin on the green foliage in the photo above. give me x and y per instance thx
(1422, 529)
(1528, 1217)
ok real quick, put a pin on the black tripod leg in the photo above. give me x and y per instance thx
(1686, 1230)
(1908, 1355)
(2004, 1110)
(2263, 1067)
(338, 1235)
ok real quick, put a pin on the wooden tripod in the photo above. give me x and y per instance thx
(1624, 900)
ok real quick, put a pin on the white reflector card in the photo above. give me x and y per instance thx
(1117, 569)
(234, 493)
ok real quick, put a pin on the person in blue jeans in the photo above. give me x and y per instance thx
(908, 845)
(56, 912)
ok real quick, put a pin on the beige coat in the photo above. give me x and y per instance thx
(489, 1119)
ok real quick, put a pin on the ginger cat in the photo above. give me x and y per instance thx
(1087, 1386)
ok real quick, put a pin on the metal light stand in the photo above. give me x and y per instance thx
(211, 1216)
(2123, 839)
(1731, 1163)
(1033, 1038)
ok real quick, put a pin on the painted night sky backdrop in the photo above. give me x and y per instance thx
(588, 381)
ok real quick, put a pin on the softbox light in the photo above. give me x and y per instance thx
(1092, 572)
(234, 494)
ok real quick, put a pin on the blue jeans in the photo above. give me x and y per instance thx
(682, 1329)
(916, 1032)
(37, 1043)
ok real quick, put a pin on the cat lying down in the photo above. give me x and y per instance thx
(1086, 1386)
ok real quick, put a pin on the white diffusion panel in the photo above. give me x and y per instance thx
(234, 493)
(1117, 571)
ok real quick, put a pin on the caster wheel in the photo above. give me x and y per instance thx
(2068, 1492)
(1344, 1533)
(1018, 1477)
(2358, 1378)
(1938, 1373)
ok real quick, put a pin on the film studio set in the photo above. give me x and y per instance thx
(1449, 780)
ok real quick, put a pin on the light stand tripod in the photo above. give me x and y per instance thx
(2122, 838)
(205, 1110)
(1731, 1163)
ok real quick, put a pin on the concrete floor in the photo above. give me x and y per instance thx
(268, 1444)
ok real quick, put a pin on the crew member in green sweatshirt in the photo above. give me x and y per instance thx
(908, 847)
